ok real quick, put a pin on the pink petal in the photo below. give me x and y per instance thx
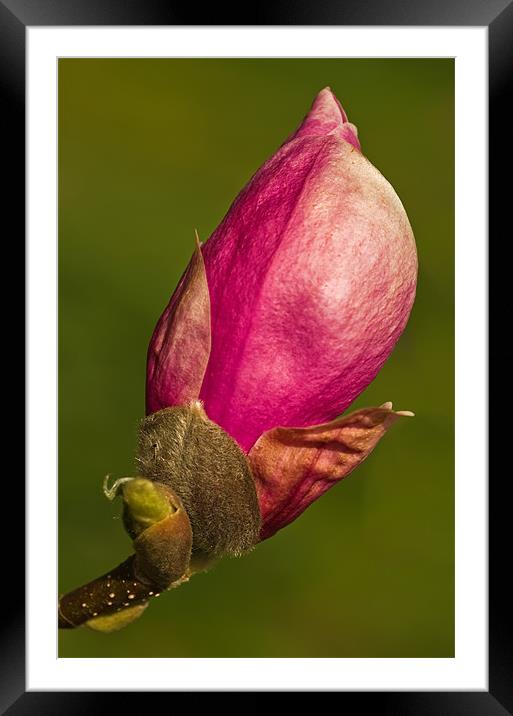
(292, 467)
(312, 277)
(325, 117)
(180, 346)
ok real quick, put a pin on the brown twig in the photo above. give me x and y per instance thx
(108, 594)
(162, 533)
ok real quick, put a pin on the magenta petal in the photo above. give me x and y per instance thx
(180, 346)
(325, 117)
(312, 277)
(292, 467)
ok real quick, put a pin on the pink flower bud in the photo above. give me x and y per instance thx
(290, 309)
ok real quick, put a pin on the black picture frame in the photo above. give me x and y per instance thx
(497, 15)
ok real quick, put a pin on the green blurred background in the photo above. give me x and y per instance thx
(150, 149)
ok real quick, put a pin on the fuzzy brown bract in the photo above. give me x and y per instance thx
(181, 448)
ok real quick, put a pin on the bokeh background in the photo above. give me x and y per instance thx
(149, 150)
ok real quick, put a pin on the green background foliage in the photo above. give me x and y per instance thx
(149, 150)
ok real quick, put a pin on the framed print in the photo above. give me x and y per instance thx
(141, 129)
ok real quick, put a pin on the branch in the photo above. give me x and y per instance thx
(162, 539)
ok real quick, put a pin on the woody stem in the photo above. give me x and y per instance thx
(162, 539)
(110, 593)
